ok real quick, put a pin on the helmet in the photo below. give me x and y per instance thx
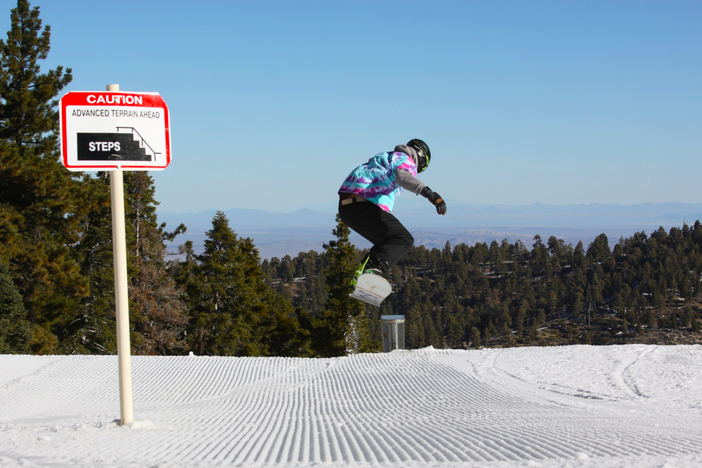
(423, 153)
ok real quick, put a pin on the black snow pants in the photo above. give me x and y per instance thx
(390, 239)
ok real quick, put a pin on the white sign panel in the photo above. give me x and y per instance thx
(106, 130)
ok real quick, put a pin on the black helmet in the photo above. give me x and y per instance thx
(423, 153)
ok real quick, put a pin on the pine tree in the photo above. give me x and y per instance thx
(231, 309)
(343, 325)
(218, 301)
(15, 329)
(475, 337)
(694, 325)
(157, 310)
(599, 251)
(414, 328)
(91, 328)
(42, 205)
(27, 112)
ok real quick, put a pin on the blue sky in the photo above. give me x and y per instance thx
(273, 103)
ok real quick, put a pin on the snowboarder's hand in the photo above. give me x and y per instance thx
(435, 199)
(439, 203)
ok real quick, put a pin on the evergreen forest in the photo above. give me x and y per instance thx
(644, 289)
(57, 286)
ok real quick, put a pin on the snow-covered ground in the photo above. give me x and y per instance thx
(576, 406)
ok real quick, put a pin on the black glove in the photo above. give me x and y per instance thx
(435, 199)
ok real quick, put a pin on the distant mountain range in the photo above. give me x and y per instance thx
(279, 234)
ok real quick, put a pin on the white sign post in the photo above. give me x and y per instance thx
(116, 131)
(119, 251)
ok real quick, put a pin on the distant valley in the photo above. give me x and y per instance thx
(279, 234)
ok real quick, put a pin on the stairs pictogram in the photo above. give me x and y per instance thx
(143, 147)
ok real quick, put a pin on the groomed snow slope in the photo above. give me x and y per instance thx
(577, 406)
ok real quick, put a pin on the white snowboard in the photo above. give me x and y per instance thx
(371, 289)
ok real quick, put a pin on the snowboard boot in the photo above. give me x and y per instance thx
(371, 264)
(361, 269)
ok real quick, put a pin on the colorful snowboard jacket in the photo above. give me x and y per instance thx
(384, 177)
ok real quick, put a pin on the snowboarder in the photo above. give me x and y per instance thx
(367, 197)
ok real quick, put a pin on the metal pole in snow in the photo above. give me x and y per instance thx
(119, 249)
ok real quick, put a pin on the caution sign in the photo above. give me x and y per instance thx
(106, 130)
